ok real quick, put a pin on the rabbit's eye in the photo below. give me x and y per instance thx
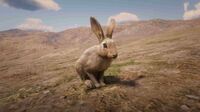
(105, 45)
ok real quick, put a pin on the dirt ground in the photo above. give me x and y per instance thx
(160, 73)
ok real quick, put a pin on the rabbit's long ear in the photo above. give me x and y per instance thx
(110, 28)
(96, 28)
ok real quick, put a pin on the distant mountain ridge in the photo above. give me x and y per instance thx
(130, 30)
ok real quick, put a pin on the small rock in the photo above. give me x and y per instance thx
(193, 97)
(185, 108)
(46, 92)
(63, 97)
(22, 89)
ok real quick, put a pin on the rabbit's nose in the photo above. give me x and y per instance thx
(115, 56)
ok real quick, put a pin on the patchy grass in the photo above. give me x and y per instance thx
(21, 93)
(115, 68)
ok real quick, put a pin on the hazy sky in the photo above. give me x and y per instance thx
(57, 15)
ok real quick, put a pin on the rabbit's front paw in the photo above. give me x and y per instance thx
(102, 84)
(97, 85)
(89, 84)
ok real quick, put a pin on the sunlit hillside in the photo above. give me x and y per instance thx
(157, 69)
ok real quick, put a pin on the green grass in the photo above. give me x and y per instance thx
(115, 68)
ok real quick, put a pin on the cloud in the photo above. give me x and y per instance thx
(32, 5)
(191, 14)
(34, 24)
(186, 5)
(124, 16)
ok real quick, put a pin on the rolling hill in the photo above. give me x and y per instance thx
(157, 69)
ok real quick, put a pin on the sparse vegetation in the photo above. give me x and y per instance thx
(36, 75)
(115, 68)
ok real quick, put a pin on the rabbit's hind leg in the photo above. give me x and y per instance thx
(81, 73)
(84, 78)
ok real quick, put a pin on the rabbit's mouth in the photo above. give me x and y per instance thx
(114, 56)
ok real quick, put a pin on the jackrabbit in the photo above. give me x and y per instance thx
(95, 60)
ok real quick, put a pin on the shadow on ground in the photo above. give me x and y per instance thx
(117, 80)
